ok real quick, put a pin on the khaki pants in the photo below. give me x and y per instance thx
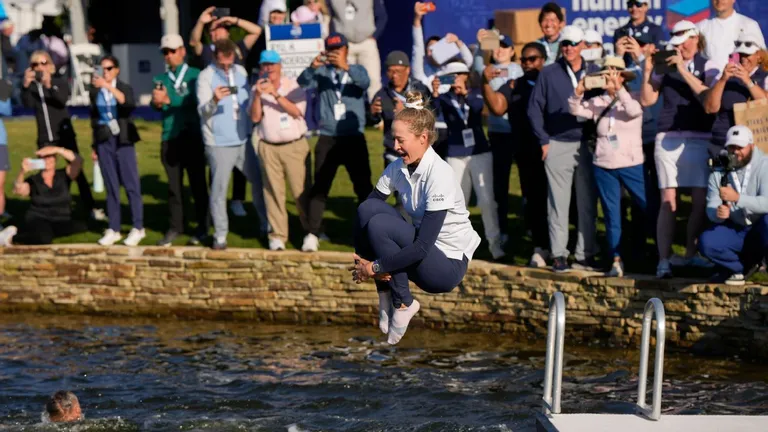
(366, 54)
(289, 161)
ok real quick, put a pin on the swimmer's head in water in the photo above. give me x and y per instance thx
(414, 129)
(63, 406)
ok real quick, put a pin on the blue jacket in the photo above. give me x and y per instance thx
(220, 125)
(446, 105)
(548, 109)
(353, 95)
(5, 111)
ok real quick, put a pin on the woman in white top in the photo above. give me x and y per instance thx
(436, 248)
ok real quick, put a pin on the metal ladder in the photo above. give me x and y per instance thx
(553, 366)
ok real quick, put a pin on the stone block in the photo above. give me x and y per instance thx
(165, 263)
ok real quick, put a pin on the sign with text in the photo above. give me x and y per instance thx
(297, 45)
(754, 115)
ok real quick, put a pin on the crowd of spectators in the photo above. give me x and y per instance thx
(635, 127)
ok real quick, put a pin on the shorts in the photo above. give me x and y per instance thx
(5, 162)
(682, 162)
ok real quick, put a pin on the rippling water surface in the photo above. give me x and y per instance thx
(159, 375)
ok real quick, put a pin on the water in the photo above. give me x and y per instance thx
(160, 375)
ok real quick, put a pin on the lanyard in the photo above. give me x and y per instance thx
(572, 75)
(177, 81)
(340, 83)
(108, 98)
(235, 102)
(742, 186)
(463, 111)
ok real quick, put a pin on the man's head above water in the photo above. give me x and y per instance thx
(63, 406)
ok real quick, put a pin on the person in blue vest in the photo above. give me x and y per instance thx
(468, 151)
(684, 141)
(740, 82)
(737, 240)
(566, 158)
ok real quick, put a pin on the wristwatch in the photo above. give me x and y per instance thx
(376, 267)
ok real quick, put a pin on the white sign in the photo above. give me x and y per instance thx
(297, 45)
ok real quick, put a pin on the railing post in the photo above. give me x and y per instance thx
(553, 366)
(653, 307)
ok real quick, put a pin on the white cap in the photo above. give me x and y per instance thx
(644, 1)
(572, 33)
(171, 41)
(454, 68)
(748, 38)
(739, 136)
(279, 6)
(592, 36)
(688, 27)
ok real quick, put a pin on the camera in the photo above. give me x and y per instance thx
(38, 76)
(595, 82)
(723, 162)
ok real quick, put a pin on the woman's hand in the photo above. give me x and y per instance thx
(363, 270)
(616, 79)
(728, 72)
(94, 156)
(648, 64)
(48, 151)
(98, 81)
(46, 79)
(677, 61)
(25, 168)
(436, 87)
(742, 74)
(29, 76)
(581, 88)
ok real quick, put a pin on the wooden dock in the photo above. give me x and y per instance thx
(639, 423)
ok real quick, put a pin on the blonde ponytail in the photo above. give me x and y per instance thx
(419, 118)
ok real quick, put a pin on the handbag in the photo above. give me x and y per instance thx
(590, 126)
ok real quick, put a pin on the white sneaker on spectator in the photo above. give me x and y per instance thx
(135, 237)
(664, 269)
(617, 270)
(110, 237)
(736, 279)
(6, 236)
(98, 215)
(311, 243)
(276, 244)
(497, 252)
(237, 209)
(539, 258)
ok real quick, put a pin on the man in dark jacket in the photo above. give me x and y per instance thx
(47, 94)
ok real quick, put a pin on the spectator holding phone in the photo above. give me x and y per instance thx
(617, 158)
(278, 111)
(638, 31)
(114, 139)
(182, 144)
(50, 211)
(551, 22)
(223, 100)
(743, 79)
(512, 99)
(683, 144)
(502, 142)
(341, 89)
(722, 31)
(47, 94)
(468, 151)
(565, 156)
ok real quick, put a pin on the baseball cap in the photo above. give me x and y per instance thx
(269, 56)
(454, 68)
(682, 31)
(572, 33)
(592, 36)
(335, 40)
(739, 136)
(397, 58)
(278, 7)
(171, 41)
(748, 43)
(505, 41)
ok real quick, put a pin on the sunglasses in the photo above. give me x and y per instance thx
(679, 33)
(530, 59)
(739, 44)
(40, 63)
(108, 68)
(167, 51)
(568, 43)
(637, 4)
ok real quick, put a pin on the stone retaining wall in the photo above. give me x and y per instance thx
(296, 287)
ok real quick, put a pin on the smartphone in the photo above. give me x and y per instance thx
(595, 82)
(660, 65)
(448, 79)
(37, 164)
(503, 72)
(734, 59)
(429, 7)
(622, 32)
(233, 89)
(98, 70)
(220, 12)
(38, 76)
(159, 85)
(263, 75)
(490, 42)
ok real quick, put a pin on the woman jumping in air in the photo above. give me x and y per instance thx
(435, 250)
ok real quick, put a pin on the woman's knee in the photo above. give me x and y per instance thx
(373, 207)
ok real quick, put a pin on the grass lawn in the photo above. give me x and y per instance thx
(339, 214)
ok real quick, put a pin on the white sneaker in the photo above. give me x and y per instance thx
(311, 243)
(736, 279)
(98, 215)
(495, 247)
(110, 238)
(6, 236)
(664, 269)
(539, 258)
(617, 270)
(276, 244)
(134, 237)
(237, 209)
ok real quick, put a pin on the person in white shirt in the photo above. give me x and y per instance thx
(722, 31)
(435, 250)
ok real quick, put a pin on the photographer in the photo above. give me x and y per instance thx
(47, 94)
(618, 155)
(741, 81)
(50, 211)
(737, 205)
(684, 139)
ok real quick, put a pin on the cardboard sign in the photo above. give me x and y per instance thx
(297, 45)
(754, 115)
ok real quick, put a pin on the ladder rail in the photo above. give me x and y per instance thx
(654, 307)
(553, 366)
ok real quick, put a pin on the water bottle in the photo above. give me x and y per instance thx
(98, 180)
